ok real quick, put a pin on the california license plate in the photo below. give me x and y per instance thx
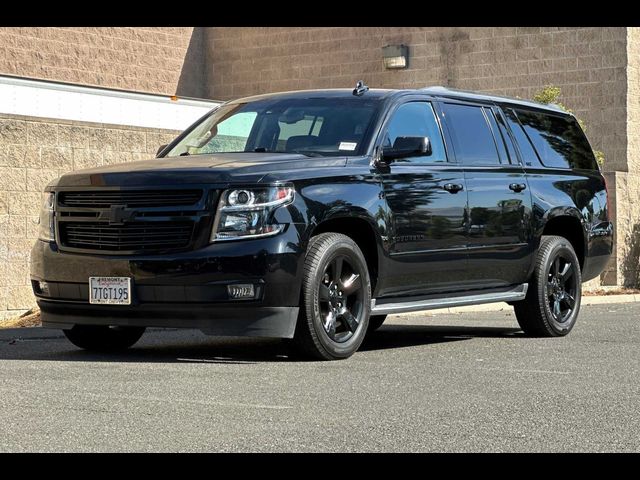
(110, 290)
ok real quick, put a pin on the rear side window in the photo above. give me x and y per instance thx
(497, 136)
(473, 139)
(558, 140)
(529, 156)
(504, 133)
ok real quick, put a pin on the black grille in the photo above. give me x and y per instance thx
(130, 237)
(131, 198)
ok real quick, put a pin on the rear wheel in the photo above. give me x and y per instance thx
(336, 298)
(102, 338)
(375, 322)
(552, 304)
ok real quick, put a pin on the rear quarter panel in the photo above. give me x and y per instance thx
(580, 194)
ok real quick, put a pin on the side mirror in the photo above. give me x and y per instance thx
(404, 147)
(162, 147)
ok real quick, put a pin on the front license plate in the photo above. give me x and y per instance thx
(110, 290)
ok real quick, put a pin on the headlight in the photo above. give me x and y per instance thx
(248, 212)
(46, 230)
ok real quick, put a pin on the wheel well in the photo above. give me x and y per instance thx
(361, 232)
(569, 228)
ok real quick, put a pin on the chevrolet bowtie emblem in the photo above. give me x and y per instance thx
(118, 215)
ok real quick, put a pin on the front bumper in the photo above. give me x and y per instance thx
(245, 321)
(187, 290)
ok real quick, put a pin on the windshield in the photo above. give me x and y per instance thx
(314, 127)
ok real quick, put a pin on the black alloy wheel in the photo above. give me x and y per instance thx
(340, 299)
(552, 304)
(561, 288)
(336, 298)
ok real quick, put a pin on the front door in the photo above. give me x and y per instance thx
(499, 212)
(427, 200)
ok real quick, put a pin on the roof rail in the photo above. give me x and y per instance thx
(456, 93)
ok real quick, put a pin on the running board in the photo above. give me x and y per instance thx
(415, 304)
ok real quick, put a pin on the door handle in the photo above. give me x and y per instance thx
(517, 187)
(452, 187)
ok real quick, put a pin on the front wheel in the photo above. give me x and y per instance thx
(551, 306)
(102, 338)
(336, 297)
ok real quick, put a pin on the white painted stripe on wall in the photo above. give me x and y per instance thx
(35, 98)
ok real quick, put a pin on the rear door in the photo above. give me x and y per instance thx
(499, 227)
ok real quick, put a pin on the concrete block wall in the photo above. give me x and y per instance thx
(627, 183)
(624, 182)
(165, 60)
(624, 267)
(34, 151)
(589, 64)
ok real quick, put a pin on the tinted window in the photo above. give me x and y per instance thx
(312, 126)
(528, 154)
(416, 119)
(497, 136)
(559, 140)
(307, 127)
(504, 133)
(232, 133)
(472, 137)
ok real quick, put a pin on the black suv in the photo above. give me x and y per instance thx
(312, 215)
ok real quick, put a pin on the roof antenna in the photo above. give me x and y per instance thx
(360, 89)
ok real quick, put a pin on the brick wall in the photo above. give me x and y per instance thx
(624, 267)
(34, 151)
(624, 184)
(633, 98)
(159, 60)
(627, 184)
(587, 63)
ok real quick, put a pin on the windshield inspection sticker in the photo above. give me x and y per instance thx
(351, 146)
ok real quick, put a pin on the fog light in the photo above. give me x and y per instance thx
(43, 287)
(241, 291)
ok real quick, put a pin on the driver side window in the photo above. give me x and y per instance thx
(416, 119)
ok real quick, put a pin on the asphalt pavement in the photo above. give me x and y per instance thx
(454, 382)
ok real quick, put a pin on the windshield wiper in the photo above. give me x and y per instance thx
(308, 153)
(184, 154)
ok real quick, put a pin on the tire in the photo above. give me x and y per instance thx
(375, 322)
(336, 299)
(102, 338)
(552, 304)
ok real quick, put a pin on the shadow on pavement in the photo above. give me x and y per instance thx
(188, 346)
(399, 336)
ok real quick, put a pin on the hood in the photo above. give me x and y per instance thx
(197, 169)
